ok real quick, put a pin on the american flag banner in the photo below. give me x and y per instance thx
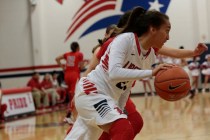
(60, 1)
(92, 8)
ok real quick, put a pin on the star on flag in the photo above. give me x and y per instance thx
(155, 5)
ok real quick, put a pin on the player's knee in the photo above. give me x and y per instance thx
(121, 130)
(136, 122)
(105, 136)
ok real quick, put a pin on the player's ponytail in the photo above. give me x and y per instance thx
(136, 14)
(141, 20)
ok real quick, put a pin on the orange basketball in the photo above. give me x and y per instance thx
(172, 84)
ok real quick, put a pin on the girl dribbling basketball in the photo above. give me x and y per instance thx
(102, 95)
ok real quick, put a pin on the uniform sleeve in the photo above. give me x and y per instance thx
(80, 56)
(118, 52)
(103, 48)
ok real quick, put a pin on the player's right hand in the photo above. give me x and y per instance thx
(163, 66)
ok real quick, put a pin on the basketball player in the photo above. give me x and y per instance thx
(194, 67)
(102, 95)
(146, 82)
(74, 62)
(133, 115)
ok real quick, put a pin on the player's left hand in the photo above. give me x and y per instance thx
(200, 49)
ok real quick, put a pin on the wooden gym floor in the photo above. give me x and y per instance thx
(181, 120)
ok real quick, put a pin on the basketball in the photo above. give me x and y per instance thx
(172, 84)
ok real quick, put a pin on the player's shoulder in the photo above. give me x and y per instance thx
(128, 35)
(79, 54)
(127, 38)
(106, 43)
(67, 53)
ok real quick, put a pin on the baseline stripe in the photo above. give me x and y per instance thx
(28, 68)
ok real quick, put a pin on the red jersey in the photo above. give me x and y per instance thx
(104, 48)
(46, 84)
(34, 83)
(72, 61)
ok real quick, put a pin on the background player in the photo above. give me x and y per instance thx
(73, 63)
(146, 83)
(194, 67)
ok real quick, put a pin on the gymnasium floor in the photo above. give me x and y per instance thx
(182, 120)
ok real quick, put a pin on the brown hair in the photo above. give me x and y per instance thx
(74, 46)
(141, 20)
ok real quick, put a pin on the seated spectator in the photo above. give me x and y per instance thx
(37, 92)
(60, 90)
(48, 88)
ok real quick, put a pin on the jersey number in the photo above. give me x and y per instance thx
(122, 85)
(70, 61)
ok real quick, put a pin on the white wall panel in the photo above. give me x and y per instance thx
(15, 34)
(48, 20)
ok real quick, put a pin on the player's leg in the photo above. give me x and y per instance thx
(102, 111)
(119, 129)
(105, 136)
(82, 130)
(72, 92)
(145, 88)
(71, 80)
(205, 83)
(134, 117)
(196, 83)
(150, 87)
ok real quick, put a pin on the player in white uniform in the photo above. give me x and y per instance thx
(194, 67)
(101, 96)
(206, 72)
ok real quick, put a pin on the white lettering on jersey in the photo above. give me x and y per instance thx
(70, 61)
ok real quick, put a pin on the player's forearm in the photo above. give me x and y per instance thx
(176, 53)
(128, 74)
(182, 53)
